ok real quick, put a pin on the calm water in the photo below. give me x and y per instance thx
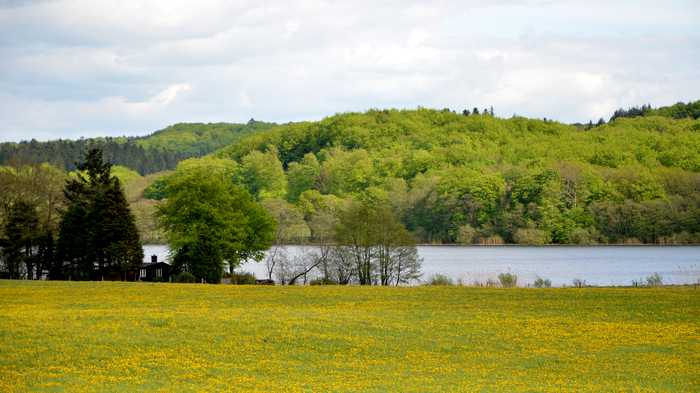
(608, 265)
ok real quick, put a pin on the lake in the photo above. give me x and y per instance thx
(597, 265)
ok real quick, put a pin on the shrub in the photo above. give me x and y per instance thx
(323, 281)
(466, 234)
(242, 278)
(490, 283)
(156, 190)
(491, 240)
(531, 236)
(508, 280)
(654, 280)
(439, 279)
(582, 236)
(542, 283)
(185, 277)
(578, 283)
(683, 237)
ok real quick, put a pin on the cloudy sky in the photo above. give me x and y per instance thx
(71, 68)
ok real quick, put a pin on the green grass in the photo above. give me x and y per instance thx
(68, 336)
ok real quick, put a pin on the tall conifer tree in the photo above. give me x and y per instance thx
(22, 234)
(98, 238)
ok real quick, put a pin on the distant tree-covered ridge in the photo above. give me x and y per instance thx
(159, 151)
(679, 110)
(198, 139)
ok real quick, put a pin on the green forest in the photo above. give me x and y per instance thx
(159, 151)
(446, 176)
(454, 178)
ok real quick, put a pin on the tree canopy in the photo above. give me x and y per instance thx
(209, 220)
(484, 179)
(159, 151)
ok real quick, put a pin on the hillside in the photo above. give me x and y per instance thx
(450, 178)
(679, 110)
(197, 139)
(159, 151)
(478, 178)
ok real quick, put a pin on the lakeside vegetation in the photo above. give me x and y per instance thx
(133, 337)
(366, 187)
(59, 226)
(453, 178)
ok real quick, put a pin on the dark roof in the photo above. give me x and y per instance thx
(146, 265)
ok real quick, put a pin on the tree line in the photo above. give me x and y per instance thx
(79, 226)
(214, 223)
(680, 110)
(157, 152)
(65, 153)
(434, 176)
(59, 226)
(358, 242)
(482, 179)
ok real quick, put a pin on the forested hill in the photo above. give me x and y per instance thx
(676, 111)
(197, 139)
(153, 153)
(450, 177)
(477, 178)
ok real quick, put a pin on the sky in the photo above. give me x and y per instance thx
(84, 68)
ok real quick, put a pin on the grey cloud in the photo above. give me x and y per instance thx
(20, 3)
(74, 67)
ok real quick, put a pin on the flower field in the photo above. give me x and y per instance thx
(104, 336)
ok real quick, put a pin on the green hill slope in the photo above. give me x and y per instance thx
(196, 139)
(159, 151)
(478, 178)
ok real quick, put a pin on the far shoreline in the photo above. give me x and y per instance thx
(503, 245)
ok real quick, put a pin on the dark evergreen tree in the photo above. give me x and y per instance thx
(98, 238)
(22, 229)
(73, 261)
(631, 112)
(45, 253)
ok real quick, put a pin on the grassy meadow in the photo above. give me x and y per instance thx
(106, 336)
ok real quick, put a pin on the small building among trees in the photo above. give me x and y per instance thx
(155, 271)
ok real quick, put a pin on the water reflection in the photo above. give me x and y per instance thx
(604, 265)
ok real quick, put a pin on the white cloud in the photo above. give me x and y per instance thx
(80, 67)
(169, 95)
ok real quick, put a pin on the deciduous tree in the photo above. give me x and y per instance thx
(210, 220)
